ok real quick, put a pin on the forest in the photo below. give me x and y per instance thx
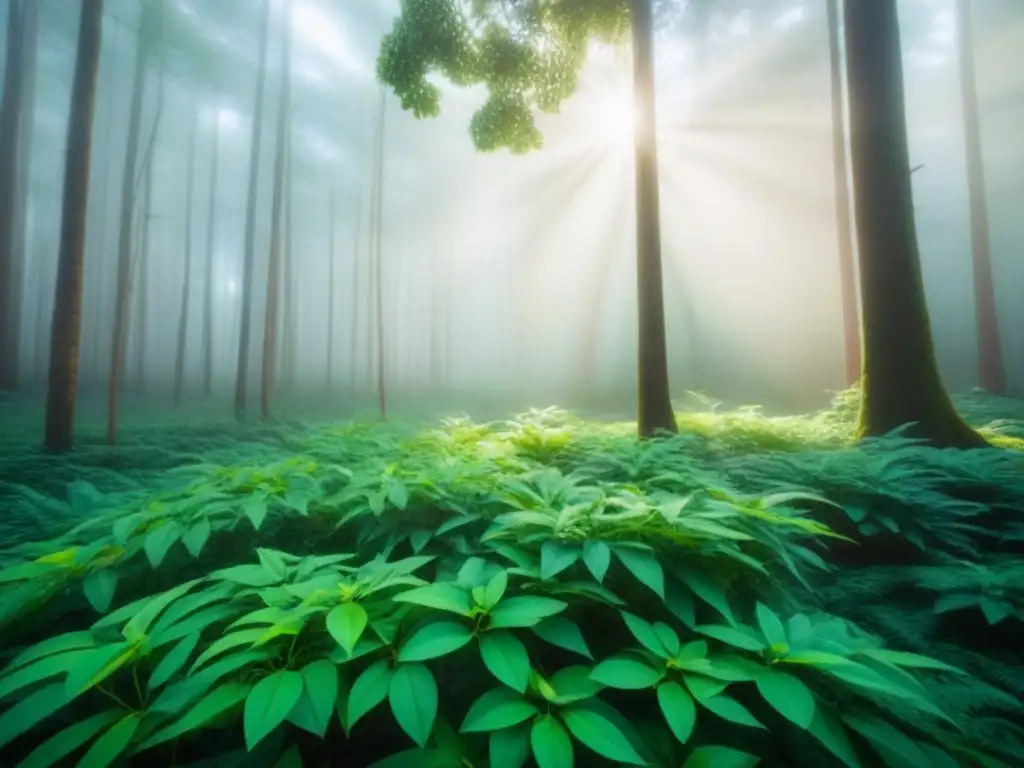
(376, 383)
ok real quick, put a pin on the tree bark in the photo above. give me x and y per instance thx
(654, 397)
(186, 283)
(140, 271)
(847, 270)
(211, 239)
(901, 382)
(67, 312)
(270, 315)
(991, 366)
(245, 326)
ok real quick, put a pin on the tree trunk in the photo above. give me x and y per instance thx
(211, 239)
(353, 330)
(140, 271)
(124, 241)
(654, 401)
(186, 283)
(270, 315)
(847, 270)
(290, 325)
(991, 367)
(67, 311)
(900, 375)
(377, 256)
(331, 256)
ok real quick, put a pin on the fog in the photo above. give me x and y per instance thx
(518, 272)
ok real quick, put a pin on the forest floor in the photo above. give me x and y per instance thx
(886, 578)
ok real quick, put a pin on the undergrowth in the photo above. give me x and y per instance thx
(754, 591)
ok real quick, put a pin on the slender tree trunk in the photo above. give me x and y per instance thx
(186, 283)
(991, 367)
(354, 306)
(290, 328)
(11, 107)
(331, 256)
(270, 316)
(211, 239)
(124, 242)
(140, 328)
(378, 271)
(67, 315)
(100, 239)
(245, 327)
(900, 375)
(655, 403)
(847, 271)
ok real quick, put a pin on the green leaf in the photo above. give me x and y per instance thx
(571, 684)
(346, 624)
(441, 596)
(179, 694)
(509, 747)
(69, 641)
(600, 734)
(667, 637)
(108, 747)
(904, 659)
(626, 672)
(269, 703)
(34, 708)
(505, 656)
(644, 566)
(771, 626)
(996, 610)
(143, 616)
(597, 557)
(273, 562)
(564, 634)
(369, 690)
(398, 493)
(555, 557)
(788, 695)
(96, 666)
(436, 639)
(552, 747)
(313, 710)
(720, 757)
(226, 643)
(64, 742)
(709, 590)
(246, 575)
(899, 750)
(497, 709)
(159, 541)
(730, 709)
(738, 637)
(42, 669)
(495, 589)
(524, 611)
(173, 661)
(645, 633)
(196, 536)
(255, 508)
(678, 708)
(413, 698)
(828, 729)
(99, 588)
(210, 707)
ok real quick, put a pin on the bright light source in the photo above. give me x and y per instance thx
(227, 119)
(318, 30)
(613, 117)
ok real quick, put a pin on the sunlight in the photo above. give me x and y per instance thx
(613, 118)
(227, 119)
(319, 30)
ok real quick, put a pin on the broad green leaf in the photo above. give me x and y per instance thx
(226, 643)
(398, 493)
(679, 600)
(69, 641)
(346, 624)
(788, 695)
(573, 683)
(904, 659)
(600, 734)
(138, 624)
(272, 562)
(255, 508)
(771, 626)
(369, 690)
(509, 747)
(644, 566)
(159, 540)
(247, 575)
(179, 694)
(173, 661)
(42, 669)
(552, 747)
(645, 634)
(196, 536)
(97, 665)
(436, 639)
(709, 590)
(197, 622)
(996, 610)
(730, 709)
(678, 709)
(441, 596)
(720, 757)
(505, 656)
(738, 637)
(108, 747)
(564, 634)
(898, 749)
(419, 538)
(313, 710)
(210, 707)
(413, 697)
(52, 751)
(497, 709)
(99, 587)
(702, 688)
(290, 759)
(27, 713)
(626, 672)
(125, 526)
(495, 589)
(829, 730)
(269, 703)
(597, 557)
(667, 637)
(555, 557)
(524, 611)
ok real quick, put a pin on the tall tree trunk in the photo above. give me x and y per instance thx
(900, 375)
(654, 401)
(270, 315)
(124, 241)
(140, 273)
(11, 107)
(67, 311)
(245, 329)
(847, 271)
(377, 256)
(331, 256)
(290, 325)
(353, 330)
(211, 239)
(991, 367)
(186, 283)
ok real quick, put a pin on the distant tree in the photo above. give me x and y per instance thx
(376, 255)
(991, 367)
(139, 283)
(331, 285)
(211, 240)
(528, 56)
(186, 282)
(66, 327)
(270, 318)
(290, 319)
(901, 382)
(249, 254)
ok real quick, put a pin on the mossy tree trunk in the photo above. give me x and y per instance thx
(654, 412)
(66, 328)
(901, 382)
(991, 367)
